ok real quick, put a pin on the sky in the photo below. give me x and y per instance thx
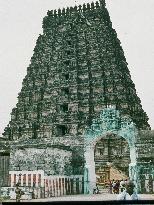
(21, 24)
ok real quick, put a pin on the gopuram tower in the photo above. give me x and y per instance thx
(78, 68)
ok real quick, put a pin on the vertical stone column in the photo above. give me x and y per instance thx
(12, 180)
(147, 183)
(89, 173)
(22, 176)
(133, 168)
(64, 186)
(31, 180)
(58, 191)
(37, 177)
(53, 187)
(17, 177)
(80, 184)
(74, 185)
(62, 191)
(27, 179)
(42, 180)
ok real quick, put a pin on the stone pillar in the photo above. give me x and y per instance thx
(80, 184)
(58, 186)
(12, 180)
(31, 180)
(42, 180)
(27, 179)
(37, 177)
(22, 176)
(17, 178)
(64, 187)
(74, 185)
(147, 183)
(89, 172)
(53, 187)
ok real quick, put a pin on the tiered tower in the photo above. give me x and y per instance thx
(77, 69)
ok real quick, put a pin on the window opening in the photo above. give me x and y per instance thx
(64, 107)
(61, 130)
(65, 91)
(66, 76)
(67, 62)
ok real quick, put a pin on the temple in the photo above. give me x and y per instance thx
(78, 69)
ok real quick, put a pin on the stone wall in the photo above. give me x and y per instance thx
(53, 161)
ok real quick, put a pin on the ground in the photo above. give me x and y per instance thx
(96, 197)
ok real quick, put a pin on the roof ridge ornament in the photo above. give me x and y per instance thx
(102, 3)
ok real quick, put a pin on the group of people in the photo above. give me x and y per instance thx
(124, 188)
(117, 186)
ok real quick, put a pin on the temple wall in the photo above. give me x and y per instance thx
(53, 161)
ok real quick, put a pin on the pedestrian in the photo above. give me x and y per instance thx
(129, 192)
(96, 190)
(18, 192)
(114, 186)
(110, 187)
(122, 185)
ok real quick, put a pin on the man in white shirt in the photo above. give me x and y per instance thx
(128, 193)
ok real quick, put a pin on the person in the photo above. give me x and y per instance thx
(96, 190)
(19, 193)
(129, 192)
(114, 186)
(122, 185)
(110, 187)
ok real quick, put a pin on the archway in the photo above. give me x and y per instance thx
(110, 122)
(112, 159)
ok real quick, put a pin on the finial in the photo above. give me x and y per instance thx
(71, 9)
(97, 5)
(92, 5)
(80, 7)
(84, 7)
(67, 10)
(50, 13)
(102, 3)
(63, 11)
(59, 12)
(55, 13)
(75, 8)
(88, 6)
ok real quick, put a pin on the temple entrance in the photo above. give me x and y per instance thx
(113, 136)
(112, 159)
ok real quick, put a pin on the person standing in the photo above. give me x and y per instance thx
(117, 185)
(122, 185)
(114, 186)
(19, 193)
(110, 187)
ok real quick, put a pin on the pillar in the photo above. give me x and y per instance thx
(64, 187)
(37, 177)
(31, 180)
(27, 179)
(12, 180)
(89, 172)
(22, 176)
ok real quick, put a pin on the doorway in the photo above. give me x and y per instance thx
(112, 159)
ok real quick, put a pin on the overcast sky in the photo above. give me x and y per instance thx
(21, 24)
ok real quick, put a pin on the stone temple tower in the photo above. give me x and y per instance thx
(77, 69)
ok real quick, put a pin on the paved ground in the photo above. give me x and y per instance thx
(97, 197)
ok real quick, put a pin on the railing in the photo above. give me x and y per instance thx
(47, 186)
